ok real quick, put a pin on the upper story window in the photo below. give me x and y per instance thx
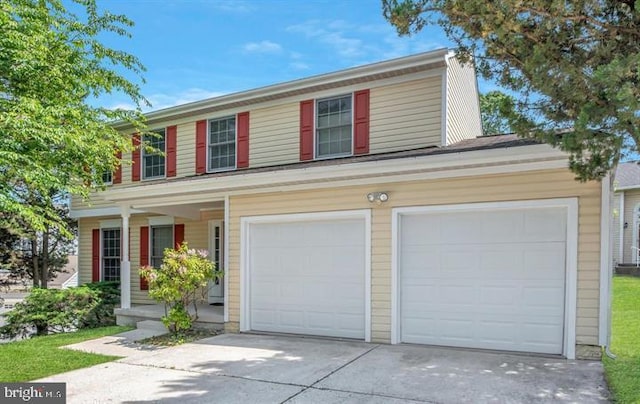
(111, 254)
(333, 127)
(161, 238)
(222, 144)
(153, 163)
(107, 178)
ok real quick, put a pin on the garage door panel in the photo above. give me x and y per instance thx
(308, 277)
(490, 286)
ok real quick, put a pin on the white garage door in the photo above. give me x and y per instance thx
(492, 279)
(308, 277)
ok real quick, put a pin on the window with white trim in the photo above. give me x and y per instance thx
(161, 238)
(221, 143)
(111, 255)
(107, 178)
(153, 162)
(334, 135)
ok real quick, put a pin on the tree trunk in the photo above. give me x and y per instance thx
(44, 270)
(35, 270)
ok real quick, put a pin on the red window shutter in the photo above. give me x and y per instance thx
(243, 140)
(171, 139)
(135, 158)
(201, 147)
(361, 122)
(306, 130)
(95, 255)
(144, 254)
(117, 174)
(178, 235)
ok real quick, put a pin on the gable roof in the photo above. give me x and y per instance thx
(627, 175)
(421, 62)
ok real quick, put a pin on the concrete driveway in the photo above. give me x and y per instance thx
(276, 369)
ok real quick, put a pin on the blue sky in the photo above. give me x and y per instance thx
(195, 49)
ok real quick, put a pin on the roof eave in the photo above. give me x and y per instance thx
(407, 62)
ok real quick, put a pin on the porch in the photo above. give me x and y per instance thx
(209, 316)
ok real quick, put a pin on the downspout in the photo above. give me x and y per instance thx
(606, 261)
(225, 257)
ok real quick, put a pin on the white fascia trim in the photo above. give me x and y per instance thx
(621, 227)
(634, 232)
(482, 161)
(98, 212)
(160, 220)
(111, 224)
(328, 78)
(605, 262)
(570, 204)
(444, 105)
(245, 249)
(629, 188)
(225, 279)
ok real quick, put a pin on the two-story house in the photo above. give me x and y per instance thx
(362, 204)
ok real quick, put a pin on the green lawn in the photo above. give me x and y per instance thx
(623, 373)
(40, 357)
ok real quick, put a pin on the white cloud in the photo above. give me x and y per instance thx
(162, 100)
(363, 43)
(263, 47)
(333, 34)
(299, 65)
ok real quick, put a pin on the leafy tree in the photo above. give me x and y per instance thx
(37, 255)
(52, 140)
(576, 65)
(496, 108)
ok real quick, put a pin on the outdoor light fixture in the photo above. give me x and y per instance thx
(377, 197)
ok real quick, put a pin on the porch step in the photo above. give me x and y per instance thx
(210, 317)
(151, 325)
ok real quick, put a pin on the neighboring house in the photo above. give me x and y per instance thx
(68, 276)
(360, 204)
(626, 205)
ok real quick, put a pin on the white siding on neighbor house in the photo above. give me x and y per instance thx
(406, 116)
(631, 203)
(507, 187)
(463, 105)
(274, 134)
(615, 228)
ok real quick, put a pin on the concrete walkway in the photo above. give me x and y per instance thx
(275, 369)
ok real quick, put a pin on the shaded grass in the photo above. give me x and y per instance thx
(39, 357)
(623, 373)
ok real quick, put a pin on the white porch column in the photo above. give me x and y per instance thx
(125, 264)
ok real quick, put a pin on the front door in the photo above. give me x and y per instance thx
(216, 251)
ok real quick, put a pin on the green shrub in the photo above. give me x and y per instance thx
(102, 315)
(46, 311)
(184, 273)
(50, 311)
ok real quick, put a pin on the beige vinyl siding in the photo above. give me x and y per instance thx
(95, 201)
(186, 149)
(196, 233)
(631, 203)
(463, 106)
(85, 227)
(274, 134)
(406, 115)
(533, 185)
